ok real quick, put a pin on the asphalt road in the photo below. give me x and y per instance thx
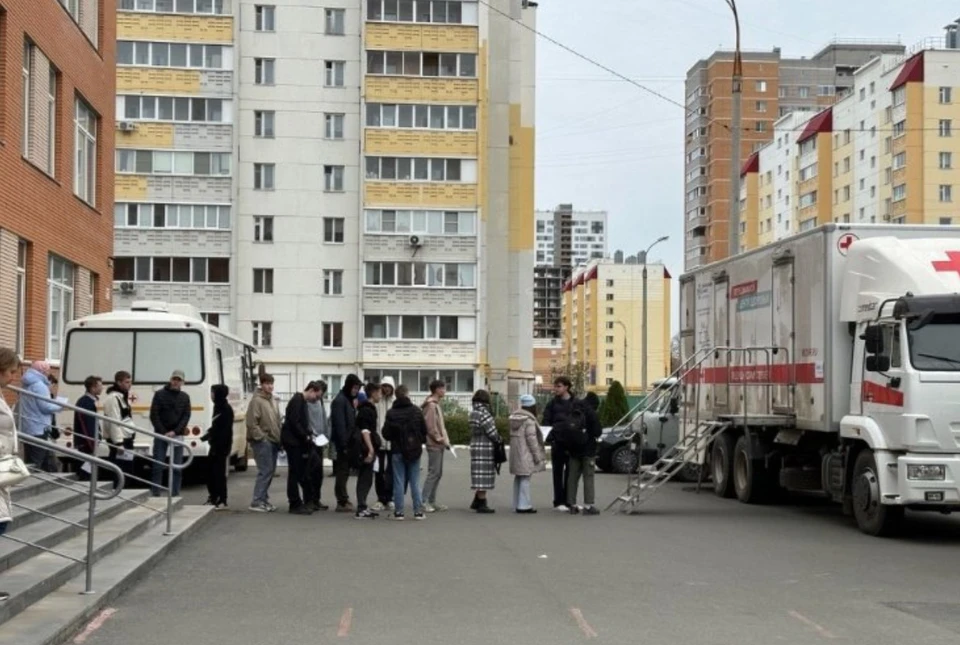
(693, 569)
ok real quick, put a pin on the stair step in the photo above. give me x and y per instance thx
(55, 618)
(54, 501)
(33, 486)
(36, 577)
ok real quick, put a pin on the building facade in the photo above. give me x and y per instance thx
(56, 169)
(570, 238)
(773, 87)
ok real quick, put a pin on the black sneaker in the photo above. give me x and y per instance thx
(366, 514)
(419, 516)
(574, 510)
(485, 510)
(300, 510)
(591, 510)
(526, 511)
(398, 517)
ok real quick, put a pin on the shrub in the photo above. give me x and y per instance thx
(615, 405)
(458, 428)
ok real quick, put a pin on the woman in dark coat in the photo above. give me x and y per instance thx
(220, 437)
(483, 437)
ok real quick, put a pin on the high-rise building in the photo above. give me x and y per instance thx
(773, 87)
(568, 238)
(56, 169)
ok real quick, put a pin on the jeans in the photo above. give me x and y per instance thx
(217, 477)
(560, 462)
(160, 450)
(265, 454)
(434, 473)
(384, 478)
(341, 473)
(364, 484)
(585, 466)
(406, 473)
(297, 475)
(521, 493)
(41, 458)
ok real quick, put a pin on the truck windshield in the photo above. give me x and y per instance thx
(150, 356)
(935, 347)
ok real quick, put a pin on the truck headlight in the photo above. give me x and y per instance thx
(927, 472)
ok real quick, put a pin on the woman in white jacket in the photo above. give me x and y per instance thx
(9, 367)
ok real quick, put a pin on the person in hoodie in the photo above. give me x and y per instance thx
(383, 478)
(35, 415)
(343, 420)
(406, 430)
(438, 442)
(169, 416)
(220, 438)
(527, 455)
(583, 458)
(263, 433)
(558, 412)
(116, 406)
(319, 426)
(364, 447)
(297, 439)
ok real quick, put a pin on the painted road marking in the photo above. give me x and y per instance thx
(582, 623)
(346, 620)
(824, 632)
(94, 625)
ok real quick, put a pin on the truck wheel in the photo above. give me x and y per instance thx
(872, 517)
(748, 477)
(624, 461)
(721, 465)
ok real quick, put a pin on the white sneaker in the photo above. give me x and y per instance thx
(391, 506)
(440, 508)
(259, 508)
(377, 507)
(429, 508)
(562, 508)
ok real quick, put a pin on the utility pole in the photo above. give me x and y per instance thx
(735, 134)
(643, 334)
(625, 355)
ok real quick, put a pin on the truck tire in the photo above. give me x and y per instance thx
(872, 517)
(721, 465)
(749, 477)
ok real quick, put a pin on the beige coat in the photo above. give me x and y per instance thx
(527, 455)
(263, 418)
(7, 440)
(437, 438)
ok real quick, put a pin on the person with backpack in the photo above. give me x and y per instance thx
(363, 446)
(556, 417)
(406, 430)
(582, 450)
(297, 440)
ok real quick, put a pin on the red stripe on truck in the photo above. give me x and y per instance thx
(881, 394)
(784, 374)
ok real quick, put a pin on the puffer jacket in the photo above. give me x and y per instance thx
(8, 429)
(263, 418)
(35, 411)
(527, 455)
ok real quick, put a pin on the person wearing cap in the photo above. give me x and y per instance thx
(527, 454)
(169, 416)
(34, 414)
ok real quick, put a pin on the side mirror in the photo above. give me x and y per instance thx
(878, 363)
(664, 419)
(873, 339)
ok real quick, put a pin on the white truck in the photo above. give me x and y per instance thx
(830, 362)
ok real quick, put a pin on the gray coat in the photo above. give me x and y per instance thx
(527, 455)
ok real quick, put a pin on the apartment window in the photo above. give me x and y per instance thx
(21, 319)
(334, 20)
(609, 311)
(946, 221)
(173, 6)
(332, 282)
(161, 162)
(846, 195)
(182, 216)
(946, 193)
(333, 178)
(803, 92)
(899, 192)
(265, 17)
(946, 128)
(609, 354)
(60, 294)
(808, 199)
(143, 53)
(263, 121)
(332, 335)
(609, 296)
(263, 176)
(946, 160)
(873, 162)
(421, 169)
(262, 334)
(887, 175)
(761, 106)
(263, 71)
(333, 126)
(899, 160)
(26, 87)
(211, 318)
(263, 280)
(783, 92)
(393, 63)
(85, 152)
(438, 11)
(946, 95)
(167, 108)
(263, 228)
(51, 124)
(333, 230)
(405, 222)
(168, 269)
(761, 86)
(433, 117)
(808, 172)
(39, 116)
(333, 73)
(420, 274)
(863, 94)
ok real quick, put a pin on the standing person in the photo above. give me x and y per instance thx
(583, 458)
(438, 442)
(527, 455)
(343, 420)
(86, 427)
(297, 440)
(220, 437)
(364, 447)
(406, 430)
(9, 366)
(320, 427)
(35, 415)
(263, 433)
(483, 438)
(169, 416)
(383, 478)
(116, 406)
(556, 414)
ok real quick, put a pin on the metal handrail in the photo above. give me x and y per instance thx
(75, 454)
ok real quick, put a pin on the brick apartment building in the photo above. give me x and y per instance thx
(57, 79)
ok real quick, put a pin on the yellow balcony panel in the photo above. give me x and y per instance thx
(147, 135)
(129, 187)
(421, 90)
(420, 194)
(405, 37)
(196, 29)
(899, 176)
(420, 142)
(898, 208)
(167, 81)
(898, 145)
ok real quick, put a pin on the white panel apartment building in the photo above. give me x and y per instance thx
(587, 242)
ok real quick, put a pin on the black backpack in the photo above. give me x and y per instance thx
(570, 431)
(411, 441)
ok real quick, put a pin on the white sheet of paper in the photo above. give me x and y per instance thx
(376, 465)
(86, 467)
(453, 452)
(62, 399)
(320, 441)
(126, 455)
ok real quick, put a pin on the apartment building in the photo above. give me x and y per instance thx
(774, 86)
(603, 321)
(56, 169)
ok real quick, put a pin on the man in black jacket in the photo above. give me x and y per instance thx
(343, 420)
(169, 416)
(583, 456)
(297, 440)
(558, 411)
(406, 430)
(366, 443)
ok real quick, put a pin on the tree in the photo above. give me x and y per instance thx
(615, 406)
(578, 373)
(675, 354)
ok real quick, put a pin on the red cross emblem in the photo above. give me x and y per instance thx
(949, 266)
(845, 242)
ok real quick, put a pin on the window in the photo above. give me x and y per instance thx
(900, 128)
(166, 269)
(333, 126)
(421, 169)
(176, 55)
(438, 11)
(333, 178)
(265, 17)
(946, 221)
(946, 128)
(899, 192)
(405, 222)
(946, 193)
(263, 71)
(85, 152)
(333, 230)
(161, 162)
(21, 319)
(60, 292)
(211, 318)
(27, 93)
(808, 146)
(449, 117)
(39, 115)
(173, 6)
(761, 86)
(263, 176)
(166, 108)
(263, 280)
(946, 160)
(334, 22)
(899, 160)
(808, 199)
(761, 106)
(332, 335)
(420, 274)
(262, 334)
(803, 92)
(419, 328)
(332, 282)
(808, 172)
(946, 95)
(863, 94)
(333, 73)
(394, 63)
(183, 216)
(263, 228)
(263, 123)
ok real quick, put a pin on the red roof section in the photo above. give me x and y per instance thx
(567, 286)
(591, 274)
(752, 164)
(666, 274)
(578, 280)
(912, 72)
(823, 122)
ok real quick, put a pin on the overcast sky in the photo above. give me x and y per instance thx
(605, 144)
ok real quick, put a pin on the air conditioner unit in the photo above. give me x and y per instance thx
(127, 288)
(126, 126)
(415, 241)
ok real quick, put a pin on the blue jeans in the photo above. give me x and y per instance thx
(265, 454)
(521, 493)
(404, 473)
(160, 449)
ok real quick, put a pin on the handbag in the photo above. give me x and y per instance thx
(499, 454)
(12, 468)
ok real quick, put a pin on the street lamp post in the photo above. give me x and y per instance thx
(735, 133)
(625, 354)
(643, 333)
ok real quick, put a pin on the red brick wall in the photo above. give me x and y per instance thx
(34, 206)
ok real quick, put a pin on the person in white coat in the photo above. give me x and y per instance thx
(9, 367)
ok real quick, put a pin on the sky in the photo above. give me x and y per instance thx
(605, 144)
